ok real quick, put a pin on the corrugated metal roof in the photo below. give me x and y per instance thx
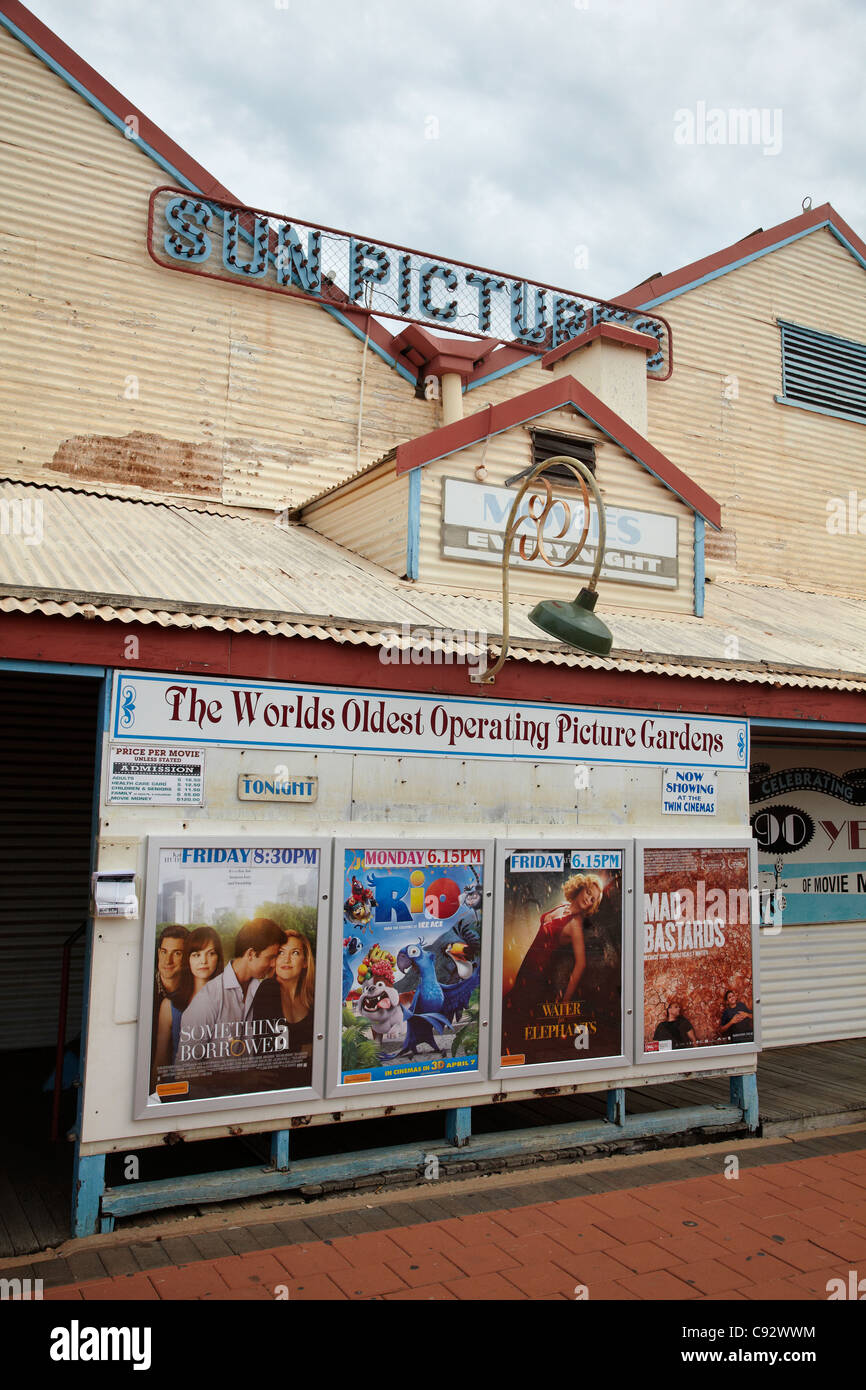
(157, 562)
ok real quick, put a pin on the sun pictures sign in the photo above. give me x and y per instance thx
(243, 245)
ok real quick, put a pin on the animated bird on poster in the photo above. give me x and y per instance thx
(411, 962)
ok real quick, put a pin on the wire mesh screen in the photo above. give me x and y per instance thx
(251, 246)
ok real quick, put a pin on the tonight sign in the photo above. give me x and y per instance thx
(226, 241)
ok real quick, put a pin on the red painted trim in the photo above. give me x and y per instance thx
(450, 439)
(257, 656)
(749, 246)
(612, 332)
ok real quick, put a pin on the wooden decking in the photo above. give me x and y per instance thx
(799, 1088)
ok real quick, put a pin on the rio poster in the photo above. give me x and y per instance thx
(411, 962)
(697, 962)
(562, 956)
(233, 970)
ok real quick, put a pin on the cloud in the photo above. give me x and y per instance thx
(499, 132)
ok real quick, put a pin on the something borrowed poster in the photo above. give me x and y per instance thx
(698, 948)
(562, 956)
(410, 986)
(229, 997)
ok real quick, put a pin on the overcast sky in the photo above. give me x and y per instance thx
(546, 138)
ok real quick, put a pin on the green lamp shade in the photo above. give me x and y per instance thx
(574, 623)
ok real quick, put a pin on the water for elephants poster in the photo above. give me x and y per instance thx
(562, 966)
(411, 962)
(697, 923)
(229, 998)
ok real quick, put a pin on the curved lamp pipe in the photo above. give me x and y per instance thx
(587, 481)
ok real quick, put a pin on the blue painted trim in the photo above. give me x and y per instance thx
(820, 410)
(744, 1094)
(504, 371)
(700, 565)
(86, 1179)
(96, 104)
(374, 347)
(53, 668)
(458, 1126)
(88, 1186)
(244, 1182)
(413, 539)
(810, 724)
(615, 1106)
(755, 256)
(280, 1149)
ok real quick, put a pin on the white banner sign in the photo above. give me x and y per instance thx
(203, 711)
(641, 547)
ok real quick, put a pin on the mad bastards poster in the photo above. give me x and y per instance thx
(412, 962)
(230, 995)
(562, 956)
(697, 954)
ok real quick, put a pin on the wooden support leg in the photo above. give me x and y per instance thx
(88, 1185)
(744, 1093)
(616, 1106)
(280, 1150)
(458, 1126)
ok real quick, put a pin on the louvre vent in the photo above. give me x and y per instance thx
(546, 444)
(822, 371)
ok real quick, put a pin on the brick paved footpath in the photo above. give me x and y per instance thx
(780, 1230)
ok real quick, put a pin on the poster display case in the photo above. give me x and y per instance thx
(563, 972)
(410, 974)
(696, 927)
(233, 988)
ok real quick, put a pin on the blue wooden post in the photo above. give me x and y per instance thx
(616, 1106)
(744, 1093)
(458, 1126)
(280, 1150)
(88, 1185)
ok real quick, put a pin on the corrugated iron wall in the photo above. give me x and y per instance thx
(772, 466)
(114, 368)
(48, 735)
(370, 517)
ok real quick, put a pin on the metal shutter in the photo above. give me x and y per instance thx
(821, 370)
(48, 728)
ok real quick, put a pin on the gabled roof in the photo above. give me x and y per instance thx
(658, 288)
(563, 391)
(169, 156)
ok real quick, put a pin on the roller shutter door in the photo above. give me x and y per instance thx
(48, 727)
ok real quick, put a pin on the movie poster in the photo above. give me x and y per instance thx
(698, 986)
(562, 962)
(411, 962)
(233, 970)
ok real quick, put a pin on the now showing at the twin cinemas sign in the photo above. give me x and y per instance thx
(270, 251)
(641, 547)
(189, 709)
